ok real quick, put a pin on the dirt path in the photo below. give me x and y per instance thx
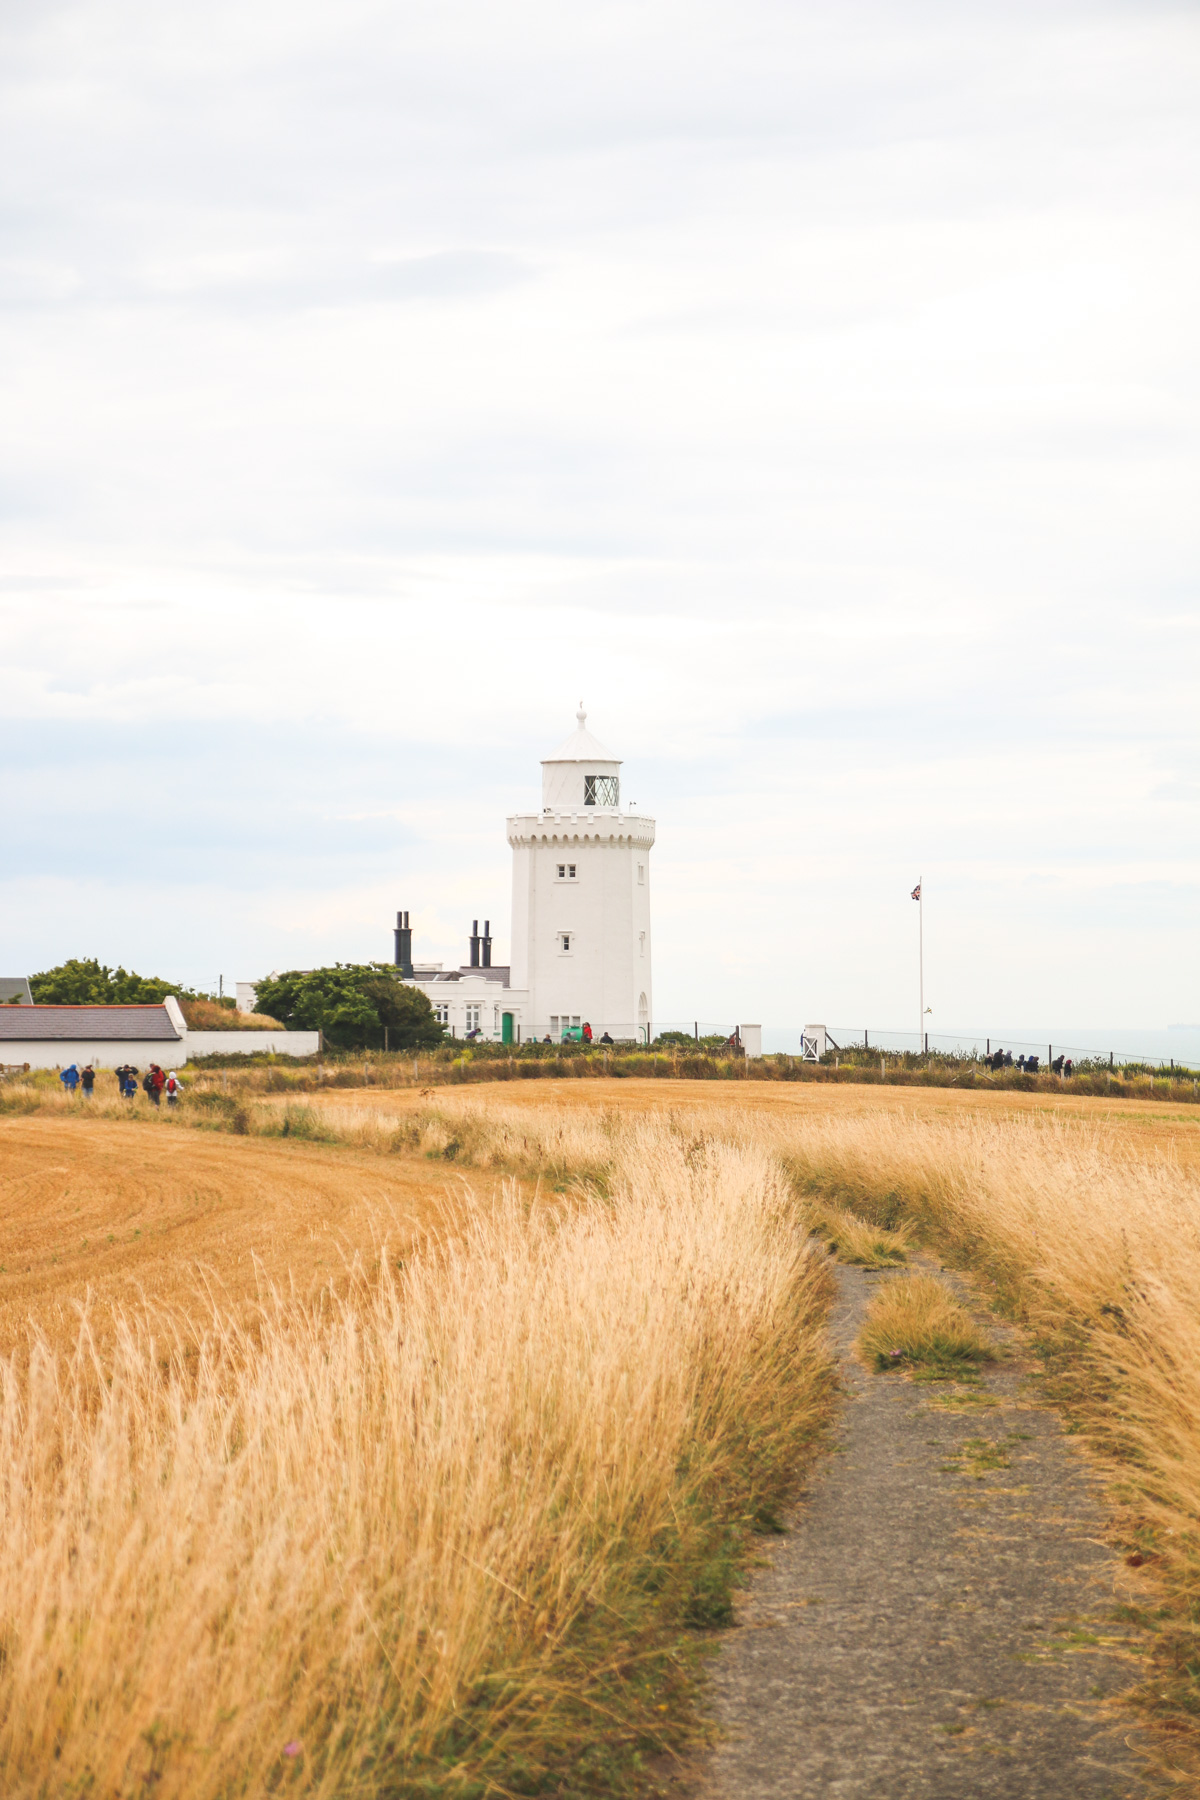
(939, 1621)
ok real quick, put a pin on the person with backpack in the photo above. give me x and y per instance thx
(70, 1078)
(88, 1079)
(127, 1081)
(153, 1083)
(174, 1088)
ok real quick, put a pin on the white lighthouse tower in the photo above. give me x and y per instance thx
(581, 899)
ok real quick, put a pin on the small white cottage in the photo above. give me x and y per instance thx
(51, 1037)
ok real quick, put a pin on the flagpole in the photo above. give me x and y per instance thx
(921, 961)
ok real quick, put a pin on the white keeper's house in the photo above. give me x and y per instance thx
(580, 916)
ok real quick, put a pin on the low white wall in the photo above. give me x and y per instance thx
(245, 1043)
(108, 1053)
(102, 1053)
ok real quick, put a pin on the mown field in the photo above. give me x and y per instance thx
(98, 1212)
(402, 1443)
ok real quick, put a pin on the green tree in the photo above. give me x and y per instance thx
(82, 981)
(351, 1003)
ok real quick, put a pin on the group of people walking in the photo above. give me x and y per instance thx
(155, 1083)
(1029, 1065)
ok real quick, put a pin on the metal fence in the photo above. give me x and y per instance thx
(980, 1044)
(967, 1044)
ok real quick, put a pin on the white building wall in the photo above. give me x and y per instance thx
(604, 912)
(109, 1053)
(245, 1043)
(472, 1000)
(102, 1053)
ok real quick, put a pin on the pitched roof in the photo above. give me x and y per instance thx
(581, 746)
(131, 1024)
(15, 987)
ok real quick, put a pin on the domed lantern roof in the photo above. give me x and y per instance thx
(581, 773)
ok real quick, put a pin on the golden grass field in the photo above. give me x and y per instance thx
(1148, 1124)
(119, 1210)
(273, 1524)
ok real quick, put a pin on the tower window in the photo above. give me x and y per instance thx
(641, 943)
(565, 941)
(641, 874)
(566, 871)
(600, 790)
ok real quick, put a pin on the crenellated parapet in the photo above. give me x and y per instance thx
(575, 829)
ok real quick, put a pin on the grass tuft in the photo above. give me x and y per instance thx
(915, 1322)
(860, 1241)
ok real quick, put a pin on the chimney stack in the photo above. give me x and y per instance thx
(487, 943)
(474, 943)
(403, 945)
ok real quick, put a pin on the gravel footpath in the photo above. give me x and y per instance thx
(939, 1621)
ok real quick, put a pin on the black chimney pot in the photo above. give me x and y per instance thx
(474, 943)
(403, 936)
(487, 943)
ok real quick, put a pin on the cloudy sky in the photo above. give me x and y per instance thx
(810, 387)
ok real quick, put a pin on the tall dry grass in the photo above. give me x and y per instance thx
(552, 1142)
(436, 1535)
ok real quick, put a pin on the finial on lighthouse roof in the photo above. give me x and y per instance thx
(581, 746)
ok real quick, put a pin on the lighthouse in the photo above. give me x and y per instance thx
(581, 950)
(581, 897)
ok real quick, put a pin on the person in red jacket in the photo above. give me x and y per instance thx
(587, 1032)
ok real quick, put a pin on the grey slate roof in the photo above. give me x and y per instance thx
(136, 1024)
(15, 987)
(494, 972)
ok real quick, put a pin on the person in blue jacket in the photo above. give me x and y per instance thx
(70, 1078)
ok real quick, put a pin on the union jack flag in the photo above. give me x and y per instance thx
(916, 893)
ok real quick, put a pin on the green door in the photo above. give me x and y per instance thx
(506, 1028)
